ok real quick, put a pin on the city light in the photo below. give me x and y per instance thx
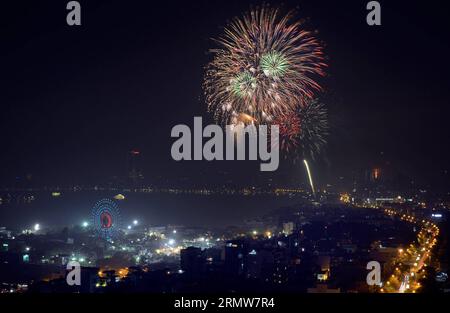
(147, 245)
(37, 227)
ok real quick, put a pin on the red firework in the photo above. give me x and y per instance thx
(289, 128)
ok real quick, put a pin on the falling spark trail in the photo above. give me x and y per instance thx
(310, 177)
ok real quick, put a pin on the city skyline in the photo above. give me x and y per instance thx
(224, 154)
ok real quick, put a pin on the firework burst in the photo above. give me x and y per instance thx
(266, 65)
(303, 132)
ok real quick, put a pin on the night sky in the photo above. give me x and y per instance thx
(74, 100)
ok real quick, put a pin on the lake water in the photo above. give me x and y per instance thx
(152, 209)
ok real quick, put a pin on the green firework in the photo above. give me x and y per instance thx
(274, 64)
(244, 84)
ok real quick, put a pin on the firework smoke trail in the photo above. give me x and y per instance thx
(303, 132)
(266, 65)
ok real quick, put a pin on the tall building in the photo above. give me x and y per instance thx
(193, 262)
(235, 257)
(288, 228)
(134, 167)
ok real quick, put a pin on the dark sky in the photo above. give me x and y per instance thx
(74, 100)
